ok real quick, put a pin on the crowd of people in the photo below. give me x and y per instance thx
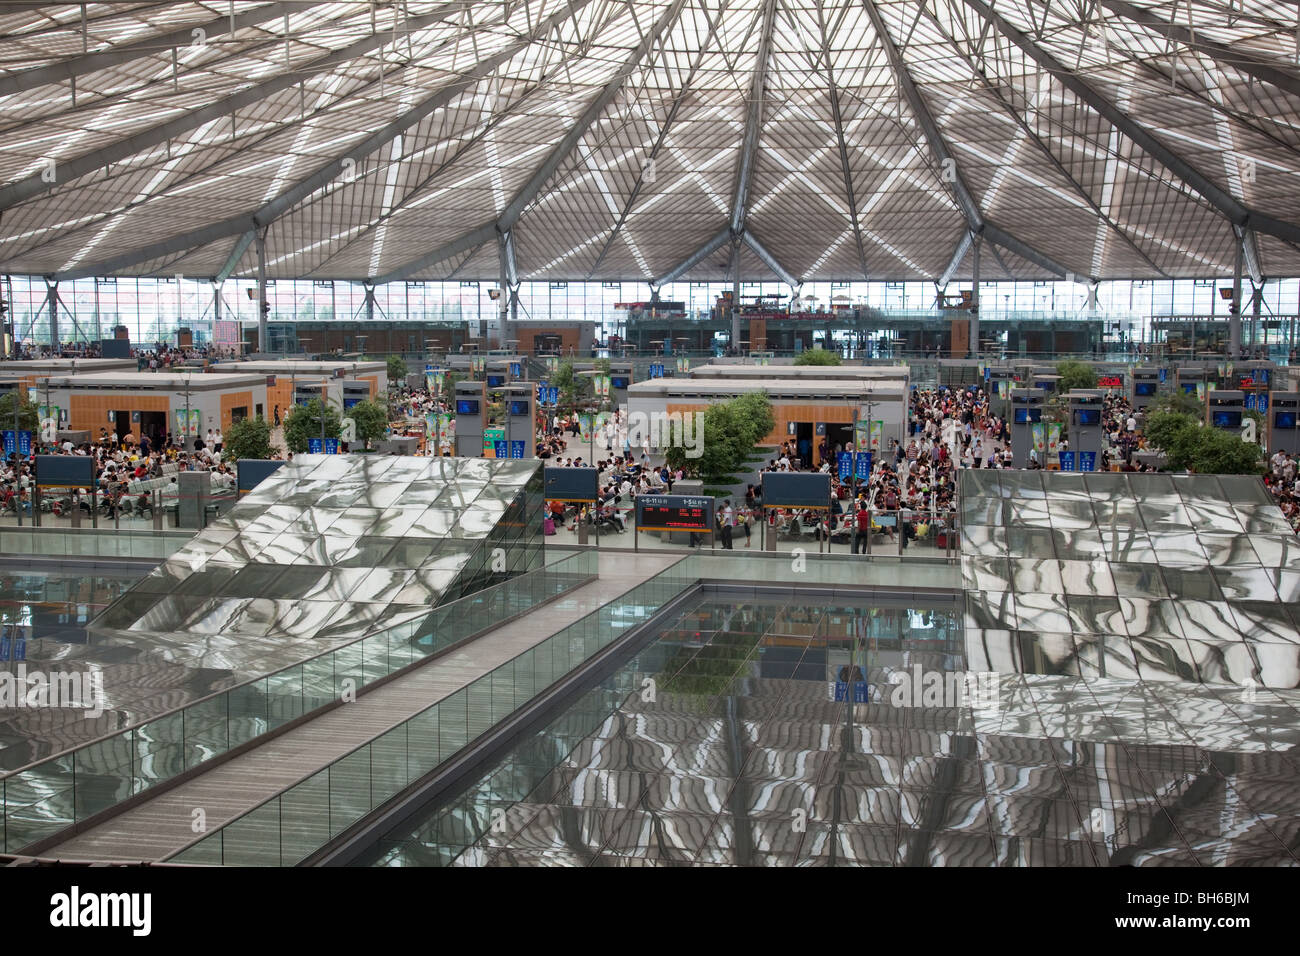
(117, 464)
(1283, 484)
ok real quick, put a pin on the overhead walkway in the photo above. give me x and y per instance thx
(161, 826)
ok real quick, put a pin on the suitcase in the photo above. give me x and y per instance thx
(548, 526)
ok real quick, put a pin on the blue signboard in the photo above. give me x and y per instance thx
(314, 446)
(24, 444)
(863, 466)
(1067, 461)
(515, 371)
(1164, 374)
(499, 448)
(516, 449)
(859, 691)
(331, 446)
(657, 370)
(1087, 461)
(1262, 404)
(1250, 403)
(845, 462)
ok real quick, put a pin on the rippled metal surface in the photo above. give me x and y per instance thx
(1198, 575)
(326, 551)
(742, 756)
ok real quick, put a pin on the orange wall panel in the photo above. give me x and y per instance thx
(231, 400)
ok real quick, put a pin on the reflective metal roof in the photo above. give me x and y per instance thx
(328, 550)
(613, 140)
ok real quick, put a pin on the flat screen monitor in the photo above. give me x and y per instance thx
(518, 407)
(618, 381)
(466, 406)
(349, 402)
(1189, 388)
(1046, 386)
(1144, 389)
(1225, 419)
(1087, 416)
(1284, 419)
(495, 381)
(1026, 415)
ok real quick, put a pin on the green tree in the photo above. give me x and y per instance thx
(1190, 444)
(248, 438)
(1177, 402)
(449, 381)
(28, 418)
(303, 423)
(371, 420)
(818, 357)
(731, 430)
(397, 371)
(1075, 375)
(573, 388)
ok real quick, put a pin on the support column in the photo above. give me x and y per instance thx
(975, 299)
(735, 294)
(52, 300)
(1256, 301)
(216, 304)
(263, 304)
(370, 300)
(1234, 316)
(99, 332)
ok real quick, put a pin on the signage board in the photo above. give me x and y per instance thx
(675, 512)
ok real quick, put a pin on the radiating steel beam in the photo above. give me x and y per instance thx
(68, 170)
(72, 67)
(995, 233)
(1217, 197)
(662, 136)
(947, 163)
(1250, 254)
(769, 260)
(506, 253)
(955, 262)
(331, 170)
(528, 192)
(1240, 60)
(236, 254)
(720, 239)
(753, 124)
(470, 240)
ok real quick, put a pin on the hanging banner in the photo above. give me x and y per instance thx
(1039, 434)
(584, 427)
(1053, 438)
(1200, 391)
(876, 435)
(490, 438)
(552, 364)
(683, 365)
(190, 429)
(1004, 388)
(861, 434)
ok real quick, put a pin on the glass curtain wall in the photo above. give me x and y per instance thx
(153, 308)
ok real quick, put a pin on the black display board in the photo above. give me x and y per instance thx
(251, 472)
(796, 489)
(65, 471)
(570, 484)
(674, 513)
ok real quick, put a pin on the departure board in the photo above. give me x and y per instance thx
(674, 513)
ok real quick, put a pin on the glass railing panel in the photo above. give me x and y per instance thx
(254, 838)
(319, 686)
(159, 751)
(453, 723)
(248, 712)
(388, 764)
(285, 692)
(207, 731)
(349, 789)
(207, 852)
(422, 743)
(103, 774)
(305, 818)
(39, 802)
